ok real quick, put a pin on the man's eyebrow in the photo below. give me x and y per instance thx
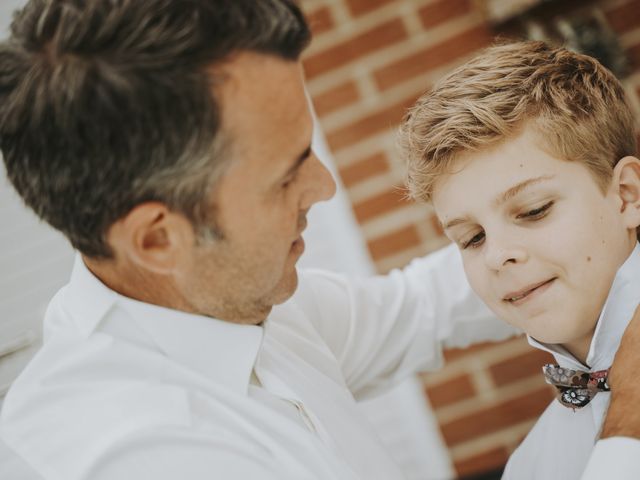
(298, 163)
(518, 188)
(502, 198)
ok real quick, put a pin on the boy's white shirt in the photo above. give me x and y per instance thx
(561, 442)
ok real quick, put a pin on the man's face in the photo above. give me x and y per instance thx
(540, 241)
(262, 200)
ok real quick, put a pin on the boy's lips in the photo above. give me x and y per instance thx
(517, 297)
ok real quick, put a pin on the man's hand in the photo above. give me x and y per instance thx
(623, 417)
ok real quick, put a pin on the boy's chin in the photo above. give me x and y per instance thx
(543, 328)
(578, 339)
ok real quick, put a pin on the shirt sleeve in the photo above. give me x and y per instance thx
(384, 328)
(168, 454)
(615, 457)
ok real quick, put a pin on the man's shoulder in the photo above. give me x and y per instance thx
(72, 390)
(94, 377)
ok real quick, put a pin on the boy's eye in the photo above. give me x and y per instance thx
(474, 241)
(536, 213)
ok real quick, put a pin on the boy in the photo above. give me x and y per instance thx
(527, 154)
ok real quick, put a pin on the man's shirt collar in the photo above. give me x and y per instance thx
(222, 351)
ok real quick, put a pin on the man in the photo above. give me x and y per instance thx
(169, 140)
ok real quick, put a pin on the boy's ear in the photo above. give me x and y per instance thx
(626, 180)
(152, 237)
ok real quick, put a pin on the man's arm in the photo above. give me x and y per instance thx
(385, 328)
(168, 454)
(623, 416)
(617, 454)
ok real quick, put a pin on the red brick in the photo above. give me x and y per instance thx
(394, 242)
(442, 10)
(432, 57)
(521, 366)
(362, 169)
(379, 204)
(450, 391)
(321, 20)
(336, 98)
(360, 7)
(371, 124)
(492, 419)
(379, 37)
(484, 462)
(624, 17)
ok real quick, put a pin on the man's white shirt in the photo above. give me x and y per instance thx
(123, 389)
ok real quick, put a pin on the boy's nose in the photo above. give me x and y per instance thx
(500, 256)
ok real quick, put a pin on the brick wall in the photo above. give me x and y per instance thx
(370, 60)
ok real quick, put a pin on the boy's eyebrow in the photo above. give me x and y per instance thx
(454, 222)
(518, 188)
(502, 198)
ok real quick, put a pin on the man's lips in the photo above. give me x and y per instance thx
(514, 297)
(297, 247)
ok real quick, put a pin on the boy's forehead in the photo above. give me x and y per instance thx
(494, 176)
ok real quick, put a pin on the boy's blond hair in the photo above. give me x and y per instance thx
(578, 108)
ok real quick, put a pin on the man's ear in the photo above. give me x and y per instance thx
(626, 180)
(152, 237)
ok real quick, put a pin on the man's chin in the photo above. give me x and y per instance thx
(283, 292)
(286, 288)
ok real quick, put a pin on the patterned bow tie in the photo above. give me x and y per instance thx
(575, 387)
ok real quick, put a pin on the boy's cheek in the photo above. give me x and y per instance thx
(487, 292)
(479, 282)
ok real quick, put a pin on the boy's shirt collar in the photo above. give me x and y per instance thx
(617, 312)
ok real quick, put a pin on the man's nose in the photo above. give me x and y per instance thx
(500, 254)
(322, 186)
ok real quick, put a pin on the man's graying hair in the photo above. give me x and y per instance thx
(105, 104)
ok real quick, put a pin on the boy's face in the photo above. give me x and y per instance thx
(540, 241)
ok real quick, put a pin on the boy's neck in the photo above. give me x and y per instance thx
(579, 348)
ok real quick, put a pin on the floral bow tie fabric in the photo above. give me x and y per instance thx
(575, 387)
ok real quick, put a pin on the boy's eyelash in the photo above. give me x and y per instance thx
(471, 243)
(535, 214)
